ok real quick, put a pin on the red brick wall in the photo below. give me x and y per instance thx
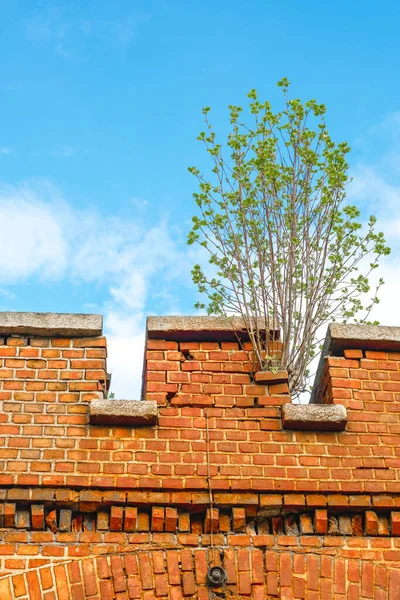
(294, 514)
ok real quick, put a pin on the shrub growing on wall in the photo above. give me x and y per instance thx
(282, 241)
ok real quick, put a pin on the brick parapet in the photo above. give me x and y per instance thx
(216, 472)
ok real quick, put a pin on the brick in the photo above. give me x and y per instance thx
(18, 584)
(116, 518)
(395, 522)
(157, 518)
(239, 519)
(356, 525)
(211, 520)
(143, 521)
(65, 520)
(33, 585)
(51, 521)
(371, 523)
(306, 525)
(23, 519)
(171, 519)
(321, 521)
(130, 521)
(9, 514)
(145, 572)
(173, 567)
(188, 584)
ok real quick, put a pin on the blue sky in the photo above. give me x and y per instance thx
(100, 108)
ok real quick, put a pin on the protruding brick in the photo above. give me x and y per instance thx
(395, 522)
(321, 521)
(211, 520)
(157, 518)
(171, 519)
(37, 516)
(239, 519)
(130, 521)
(116, 518)
(9, 514)
(371, 523)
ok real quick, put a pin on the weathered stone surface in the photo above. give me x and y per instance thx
(268, 377)
(65, 520)
(23, 519)
(201, 328)
(345, 525)
(50, 324)
(103, 521)
(367, 337)
(357, 525)
(290, 525)
(123, 412)
(89, 522)
(333, 526)
(277, 525)
(312, 417)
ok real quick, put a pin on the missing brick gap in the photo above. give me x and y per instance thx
(187, 355)
(170, 395)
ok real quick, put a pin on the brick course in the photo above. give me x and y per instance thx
(125, 512)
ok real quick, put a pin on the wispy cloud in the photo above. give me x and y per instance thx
(136, 264)
(376, 190)
(5, 293)
(69, 36)
(4, 150)
(64, 152)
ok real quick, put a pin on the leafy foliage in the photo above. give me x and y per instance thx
(282, 242)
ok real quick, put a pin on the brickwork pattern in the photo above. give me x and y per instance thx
(124, 512)
(181, 573)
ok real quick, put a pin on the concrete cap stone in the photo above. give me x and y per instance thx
(367, 337)
(314, 417)
(202, 328)
(51, 324)
(340, 336)
(123, 412)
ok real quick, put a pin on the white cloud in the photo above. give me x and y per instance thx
(32, 238)
(5, 150)
(45, 238)
(68, 33)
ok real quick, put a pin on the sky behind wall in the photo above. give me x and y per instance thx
(100, 105)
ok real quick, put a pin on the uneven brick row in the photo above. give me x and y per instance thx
(169, 519)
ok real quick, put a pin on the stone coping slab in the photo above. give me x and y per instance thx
(123, 412)
(51, 324)
(202, 328)
(313, 417)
